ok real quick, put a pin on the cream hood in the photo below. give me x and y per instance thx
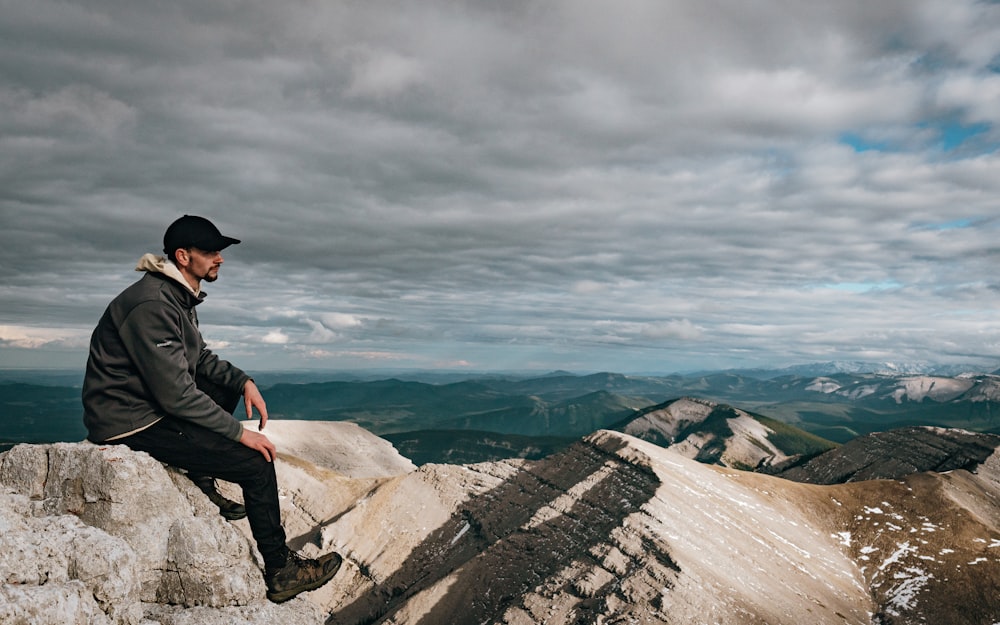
(159, 264)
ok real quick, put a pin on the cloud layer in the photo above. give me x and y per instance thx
(634, 185)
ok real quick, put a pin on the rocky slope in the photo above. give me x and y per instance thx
(611, 530)
(896, 454)
(617, 530)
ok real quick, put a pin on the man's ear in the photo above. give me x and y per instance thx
(182, 257)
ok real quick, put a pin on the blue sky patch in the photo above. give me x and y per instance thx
(861, 144)
(954, 134)
(948, 135)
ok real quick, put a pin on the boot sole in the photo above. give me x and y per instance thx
(233, 516)
(285, 595)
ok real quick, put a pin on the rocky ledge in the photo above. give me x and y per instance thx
(897, 453)
(103, 535)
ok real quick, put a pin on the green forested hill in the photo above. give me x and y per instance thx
(837, 406)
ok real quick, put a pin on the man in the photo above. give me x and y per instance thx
(152, 384)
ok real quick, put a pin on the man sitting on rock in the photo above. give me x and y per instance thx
(152, 384)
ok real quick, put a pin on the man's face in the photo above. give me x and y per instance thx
(205, 265)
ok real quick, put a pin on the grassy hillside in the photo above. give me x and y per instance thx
(794, 441)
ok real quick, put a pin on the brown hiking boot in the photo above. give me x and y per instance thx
(300, 574)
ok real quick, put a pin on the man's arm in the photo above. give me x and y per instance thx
(152, 337)
(219, 372)
(224, 374)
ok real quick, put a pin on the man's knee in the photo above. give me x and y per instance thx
(255, 468)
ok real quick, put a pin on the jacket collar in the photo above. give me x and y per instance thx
(151, 263)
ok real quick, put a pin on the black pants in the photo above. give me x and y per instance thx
(201, 451)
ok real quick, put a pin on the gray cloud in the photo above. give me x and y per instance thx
(635, 185)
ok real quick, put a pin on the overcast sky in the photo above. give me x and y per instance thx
(624, 185)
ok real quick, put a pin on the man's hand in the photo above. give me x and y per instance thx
(255, 440)
(253, 399)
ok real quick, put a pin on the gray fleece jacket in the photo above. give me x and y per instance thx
(147, 357)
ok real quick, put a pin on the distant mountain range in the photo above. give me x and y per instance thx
(518, 416)
(859, 366)
(836, 407)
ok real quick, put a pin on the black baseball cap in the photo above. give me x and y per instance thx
(194, 231)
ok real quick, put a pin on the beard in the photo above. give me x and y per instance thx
(211, 275)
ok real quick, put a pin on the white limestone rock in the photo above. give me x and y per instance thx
(126, 494)
(200, 569)
(101, 534)
(52, 604)
(298, 611)
(344, 447)
(50, 558)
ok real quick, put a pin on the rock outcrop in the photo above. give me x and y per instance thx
(344, 447)
(897, 453)
(100, 534)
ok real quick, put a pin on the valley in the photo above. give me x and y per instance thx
(450, 418)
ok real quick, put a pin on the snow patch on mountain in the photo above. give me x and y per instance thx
(880, 368)
(823, 385)
(911, 388)
(918, 388)
(987, 388)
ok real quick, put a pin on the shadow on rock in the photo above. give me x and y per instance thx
(513, 538)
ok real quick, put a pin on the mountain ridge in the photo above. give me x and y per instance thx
(610, 529)
(675, 561)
